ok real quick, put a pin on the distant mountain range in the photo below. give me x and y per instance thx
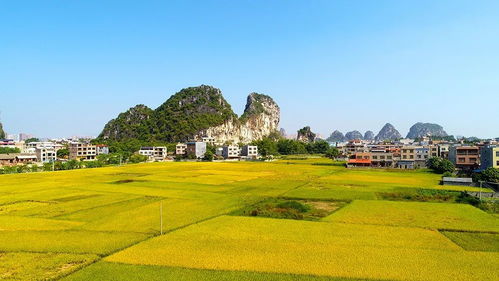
(389, 132)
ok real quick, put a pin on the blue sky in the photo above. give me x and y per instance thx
(67, 67)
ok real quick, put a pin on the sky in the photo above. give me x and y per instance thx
(68, 67)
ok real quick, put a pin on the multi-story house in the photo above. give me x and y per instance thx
(154, 153)
(443, 150)
(249, 151)
(196, 148)
(465, 157)
(354, 146)
(102, 149)
(359, 159)
(180, 149)
(382, 157)
(82, 151)
(209, 140)
(489, 157)
(433, 150)
(407, 157)
(231, 152)
(46, 154)
(422, 153)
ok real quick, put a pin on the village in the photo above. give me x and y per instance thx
(401, 154)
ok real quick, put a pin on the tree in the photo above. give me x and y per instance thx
(440, 165)
(63, 153)
(317, 147)
(332, 153)
(266, 146)
(137, 158)
(6, 150)
(208, 156)
(32, 140)
(489, 175)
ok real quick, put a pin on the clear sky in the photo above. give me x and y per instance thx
(67, 67)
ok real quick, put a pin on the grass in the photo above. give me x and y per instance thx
(117, 272)
(475, 241)
(312, 248)
(416, 214)
(53, 223)
(40, 266)
(282, 208)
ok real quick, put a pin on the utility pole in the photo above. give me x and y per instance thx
(480, 196)
(53, 166)
(161, 217)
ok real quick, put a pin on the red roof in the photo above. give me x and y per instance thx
(359, 161)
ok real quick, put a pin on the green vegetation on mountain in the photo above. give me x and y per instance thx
(189, 111)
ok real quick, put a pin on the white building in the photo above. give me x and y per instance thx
(180, 149)
(209, 140)
(155, 153)
(231, 151)
(249, 151)
(46, 154)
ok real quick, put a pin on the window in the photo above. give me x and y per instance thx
(497, 153)
(461, 160)
(375, 157)
(472, 159)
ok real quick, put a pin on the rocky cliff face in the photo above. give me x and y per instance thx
(2, 133)
(419, 130)
(369, 135)
(388, 132)
(336, 136)
(353, 135)
(306, 135)
(260, 118)
(196, 112)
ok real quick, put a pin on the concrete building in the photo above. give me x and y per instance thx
(82, 151)
(354, 146)
(382, 157)
(489, 157)
(249, 151)
(46, 154)
(13, 159)
(465, 157)
(359, 159)
(102, 149)
(209, 140)
(443, 150)
(408, 153)
(155, 153)
(421, 155)
(231, 152)
(180, 149)
(196, 148)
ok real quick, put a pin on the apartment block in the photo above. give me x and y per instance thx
(422, 154)
(46, 154)
(489, 157)
(249, 151)
(82, 151)
(154, 153)
(359, 159)
(180, 149)
(196, 148)
(102, 149)
(231, 152)
(465, 157)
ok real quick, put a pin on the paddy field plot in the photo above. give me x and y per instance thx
(416, 214)
(104, 224)
(312, 248)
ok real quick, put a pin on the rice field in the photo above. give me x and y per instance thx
(105, 224)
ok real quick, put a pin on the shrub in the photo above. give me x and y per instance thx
(294, 205)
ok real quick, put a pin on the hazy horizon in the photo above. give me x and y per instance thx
(70, 67)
